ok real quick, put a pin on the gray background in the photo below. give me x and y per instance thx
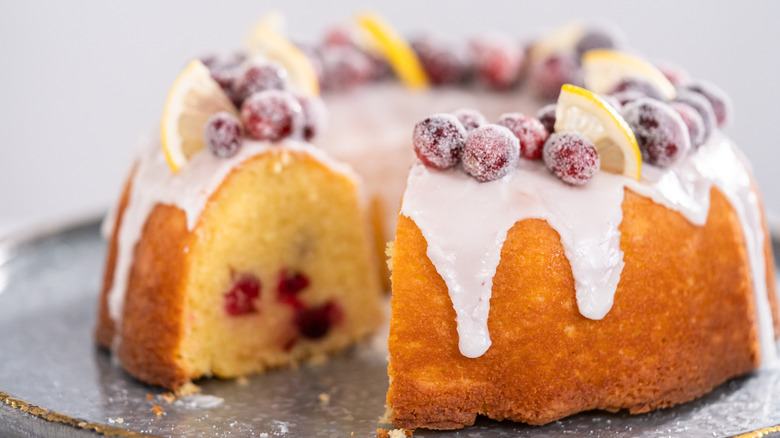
(81, 81)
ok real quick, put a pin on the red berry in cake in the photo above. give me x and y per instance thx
(530, 131)
(241, 297)
(314, 116)
(438, 140)
(497, 61)
(720, 101)
(660, 131)
(596, 38)
(259, 76)
(548, 77)
(223, 135)
(290, 284)
(702, 106)
(674, 73)
(316, 322)
(693, 122)
(345, 67)
(445, 63)
(471, 119)
(638, 85)
(571, 157)
(546, 116)
(271, 115)
(490, 153)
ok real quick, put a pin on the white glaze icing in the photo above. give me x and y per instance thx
(465, 224)
(153, 183)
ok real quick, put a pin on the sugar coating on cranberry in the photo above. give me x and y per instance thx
(571, 157)
(471, 119)
(625, 96)
(443, 61)
(223, 135)
(226, 78)
(661, 133)
(271, 115)
(497, 61)
(548, 76)
(693, 121)
(345, 67)
(241, 297)
(546, 116)
(491, 152)
(673, 72)
(720, 101)
(314, 116)
(220, 61)
(702, 106)
(316, 322)
(596, 38)
(638, 85)
(438, 140)
(529, 130)
(259, 76)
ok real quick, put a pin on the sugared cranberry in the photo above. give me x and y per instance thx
(491, 152)
(676, 74)
(438, 140)
(337, 36)
(548, 76)
(223, 135)
(443, 61)
(546, 115)
(316, 322)
(345, 67)
(497, 61)
(596, 38)
(241, 297)
(571, 157)
(626, 96)
(314, 116)
(659, 130)
(530, 131)
(259, 76)
(226, 78)
(271, 115)
(693, 122)
(612, 101)
(313, 55)
(702, 106)
(221, 61)
(720, 101)
(639, 85)
(290, 284)
(471, 119)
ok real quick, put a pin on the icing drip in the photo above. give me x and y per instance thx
(153, 183)
(465, 224)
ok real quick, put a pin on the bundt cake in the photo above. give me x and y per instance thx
(620, 262)
(608, 253)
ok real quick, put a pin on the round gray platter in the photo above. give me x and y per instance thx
(55, 382)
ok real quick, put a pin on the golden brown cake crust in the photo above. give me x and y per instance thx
(683, 321)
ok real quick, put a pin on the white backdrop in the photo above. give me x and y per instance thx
(81, 81)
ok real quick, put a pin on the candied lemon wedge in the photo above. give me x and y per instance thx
(603, 69)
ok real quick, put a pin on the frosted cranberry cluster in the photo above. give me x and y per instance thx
(486, 151)
(269, 110)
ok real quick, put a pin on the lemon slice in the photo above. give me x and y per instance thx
(266, 39)
(387, 43)
(193, 99)
(604, 68)
(583, 111)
